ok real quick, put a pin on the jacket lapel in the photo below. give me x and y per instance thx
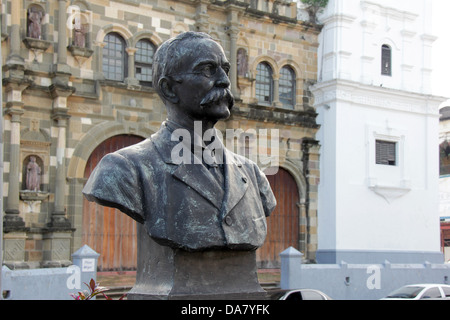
(201, 180)
(236, 182)
(195, 176)
(198, 178)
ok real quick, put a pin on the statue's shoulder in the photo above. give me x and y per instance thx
(135, 151)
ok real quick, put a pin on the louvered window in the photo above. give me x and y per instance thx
(386, 60)
(386, 153)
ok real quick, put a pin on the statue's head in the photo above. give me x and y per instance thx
(190, 72)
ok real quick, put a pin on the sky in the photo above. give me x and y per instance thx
(441, 48)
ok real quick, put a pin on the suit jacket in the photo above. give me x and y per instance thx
(182, 205)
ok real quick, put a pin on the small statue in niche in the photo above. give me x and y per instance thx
(79, 33)
(34, 22)
(33, 177)
(242, 62)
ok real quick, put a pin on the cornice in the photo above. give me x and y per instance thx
(373, 96)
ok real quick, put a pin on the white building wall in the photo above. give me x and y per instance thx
(355, 31)
(368, 212)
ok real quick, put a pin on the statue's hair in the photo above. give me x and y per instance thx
(170, 54)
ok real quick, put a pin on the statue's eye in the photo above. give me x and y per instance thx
(209, 70)
(227, 70)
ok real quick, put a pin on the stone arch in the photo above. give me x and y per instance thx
(154, 38)
(126, 34)
(215, 35)
(242, 42)
(295, 66)
(270, 61)
(178, 28)
(94, 137)
(297, 174)
(82, 4)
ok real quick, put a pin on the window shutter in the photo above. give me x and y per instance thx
(386, 60)
(385, 153)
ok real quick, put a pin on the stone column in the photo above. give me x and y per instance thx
(62, 36)
(276, 93)
(13, 225)
(131, 79)
(62, 69)
(233, 61)
(15, 232)
(58, 234)
(233, 31)
(58, 218)
(201, 16)
(14, 104)
(14, 57)
(303, 241)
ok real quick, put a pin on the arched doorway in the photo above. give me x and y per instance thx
(108, 231)
(283, 223)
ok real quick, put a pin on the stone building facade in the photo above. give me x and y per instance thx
(77, 79)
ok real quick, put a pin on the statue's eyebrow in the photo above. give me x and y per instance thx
(205, 62)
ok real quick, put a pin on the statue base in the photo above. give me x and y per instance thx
(164, 273)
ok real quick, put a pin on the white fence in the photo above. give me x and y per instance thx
(51, 283)
(346, 281)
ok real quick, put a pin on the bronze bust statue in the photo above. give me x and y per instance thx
(183, 205)
(218, 203)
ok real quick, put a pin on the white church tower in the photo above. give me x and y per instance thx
(378, 193)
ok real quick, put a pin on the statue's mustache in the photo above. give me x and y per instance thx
(217, 95)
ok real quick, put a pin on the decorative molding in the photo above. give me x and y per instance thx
(389, 193)
(375, 96)
(36, 44)
(80, 52)
(27, 195)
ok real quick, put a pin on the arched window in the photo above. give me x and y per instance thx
(264, 83)
(143, 61)
(386, 60)
(287, 87)
(114, 57)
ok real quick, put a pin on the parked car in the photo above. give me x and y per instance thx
(298, 294)
(420, 291)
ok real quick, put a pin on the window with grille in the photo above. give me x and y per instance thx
(386, 153)
(264, 83)
(386, 60)
(287, 87)
(143, 62)
(114, 57)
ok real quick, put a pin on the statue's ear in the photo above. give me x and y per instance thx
(166, 89)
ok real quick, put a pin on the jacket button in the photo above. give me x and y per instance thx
(228, 220)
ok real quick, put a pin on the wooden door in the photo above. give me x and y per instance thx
(283, 223)
(106, 230)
